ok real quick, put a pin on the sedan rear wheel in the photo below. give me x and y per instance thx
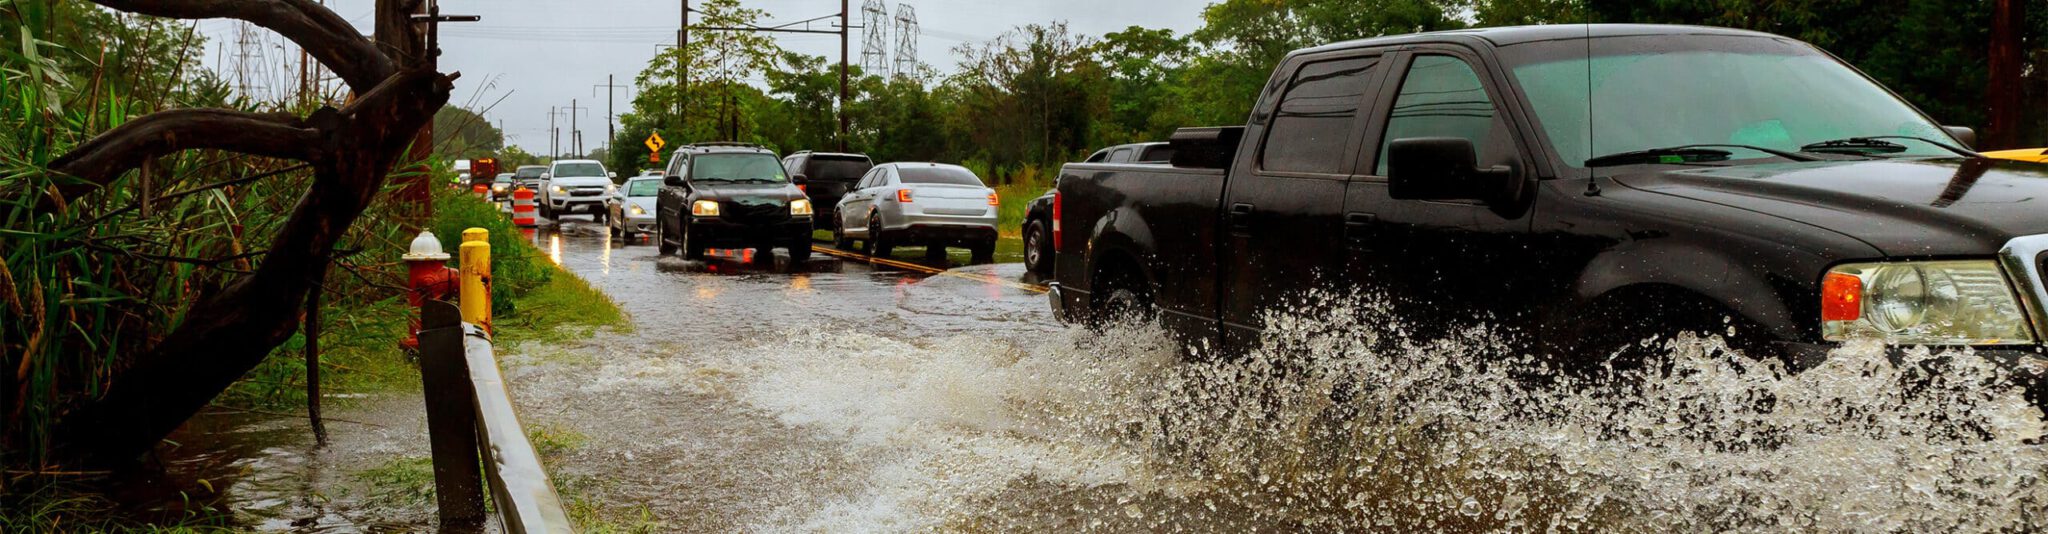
(878, 245)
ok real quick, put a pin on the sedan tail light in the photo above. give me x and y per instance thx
(993, 200)
(903, 195)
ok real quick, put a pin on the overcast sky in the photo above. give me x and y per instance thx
(537, 54)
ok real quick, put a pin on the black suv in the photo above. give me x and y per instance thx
(731, 195)
(826, 177)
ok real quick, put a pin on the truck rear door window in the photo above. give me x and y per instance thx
(1442, 97)
(1316, 116)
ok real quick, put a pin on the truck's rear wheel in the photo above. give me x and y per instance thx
(1124, 297)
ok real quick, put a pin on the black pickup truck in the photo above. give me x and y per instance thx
(1725, 178)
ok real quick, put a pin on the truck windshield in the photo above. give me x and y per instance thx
(579, 170)
(1668, 91)
(531, 172)
(751, 167)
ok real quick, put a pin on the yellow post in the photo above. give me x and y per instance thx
(476, 278)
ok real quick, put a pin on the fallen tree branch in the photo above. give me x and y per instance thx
(105, 158)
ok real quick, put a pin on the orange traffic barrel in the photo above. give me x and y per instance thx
(523, 209)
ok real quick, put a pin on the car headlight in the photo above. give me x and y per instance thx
(559, 190)
(801, 206)
(610, 189)
(635, 209)
(704, 208)
(1962, 302)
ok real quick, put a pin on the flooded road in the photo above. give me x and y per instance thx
(835, 395)
(843, 395)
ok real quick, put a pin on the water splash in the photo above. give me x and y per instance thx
(1344, 422)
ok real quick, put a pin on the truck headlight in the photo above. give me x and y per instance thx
(800, 206)
(704, 208)
(559, 190)
(1961, 302)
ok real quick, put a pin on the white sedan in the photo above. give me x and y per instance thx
(934, 205)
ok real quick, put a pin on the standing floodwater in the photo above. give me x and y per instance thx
(837, 397)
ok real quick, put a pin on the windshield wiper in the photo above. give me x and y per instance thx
(1878, 144)
(1858, 146)
(1686, 154)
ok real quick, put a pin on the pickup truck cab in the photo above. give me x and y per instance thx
(731, 195)
(1580, 187)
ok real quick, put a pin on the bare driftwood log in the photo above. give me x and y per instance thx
(351, 151)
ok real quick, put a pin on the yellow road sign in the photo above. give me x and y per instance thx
(655, 143)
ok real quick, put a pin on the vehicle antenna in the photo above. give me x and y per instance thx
(1592, 177)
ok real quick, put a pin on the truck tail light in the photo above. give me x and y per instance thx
(903, 195)
(1057, 237)
(993, 200)
(1841, 297)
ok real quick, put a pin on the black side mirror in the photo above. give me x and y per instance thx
(1443, 168)
(1964, 134)
(799, 179)
(674, 181)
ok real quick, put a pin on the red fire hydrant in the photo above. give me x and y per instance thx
(428, 277)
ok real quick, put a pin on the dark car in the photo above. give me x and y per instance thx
(1038, 214)
(529, 177)
(826, 177)
(731, 195)
(1735, 182)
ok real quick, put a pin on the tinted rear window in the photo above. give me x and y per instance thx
(837, 169)
(937, 175)
(532, 172)
(1156, 154)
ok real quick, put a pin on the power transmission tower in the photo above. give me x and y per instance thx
(874, 51)
(248, 49)
(906, 40)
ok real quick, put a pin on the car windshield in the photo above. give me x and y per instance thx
(1671, 91)
(938, 175)
(837, 169)
(579, 170)
(532, 172)
(643, 188)
(751, 167)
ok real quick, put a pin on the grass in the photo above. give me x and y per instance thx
(64, 507)
(401, 482)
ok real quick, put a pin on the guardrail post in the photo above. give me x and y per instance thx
(451, 418)
(476, 278)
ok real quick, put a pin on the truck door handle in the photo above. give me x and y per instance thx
(1240, 218)
(1358, 227)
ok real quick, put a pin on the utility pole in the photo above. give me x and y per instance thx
(843, 25)
(683, 72)
(575, 133)
(611, 130)
(842, 32)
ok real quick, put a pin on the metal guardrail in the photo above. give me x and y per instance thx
(475, 433)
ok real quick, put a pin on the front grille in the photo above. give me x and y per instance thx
(753, 213)
(586, 192)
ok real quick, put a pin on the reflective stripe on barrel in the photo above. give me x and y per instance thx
(523, 208)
